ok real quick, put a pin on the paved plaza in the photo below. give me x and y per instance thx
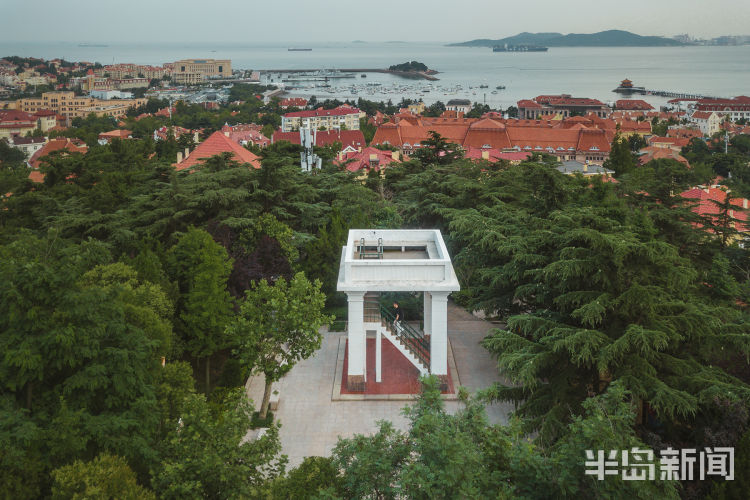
(311, 421)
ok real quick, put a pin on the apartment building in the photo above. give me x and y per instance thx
(317, 119)
(69, 105)
(192, 71)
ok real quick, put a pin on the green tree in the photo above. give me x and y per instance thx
(438, 151)
(621, 158)
(206, 456)
(107, 477)
(202, 268)
(371, 465)
(278, 324)
(312, 475)
(598, 302)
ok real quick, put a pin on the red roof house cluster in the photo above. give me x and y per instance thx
(583, 138)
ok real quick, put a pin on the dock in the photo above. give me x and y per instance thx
(404, 74)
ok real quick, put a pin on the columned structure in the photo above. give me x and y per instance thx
(376, 261)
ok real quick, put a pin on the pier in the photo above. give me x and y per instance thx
(666, 93)
(626, 87)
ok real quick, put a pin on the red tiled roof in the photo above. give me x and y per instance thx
(701, 115)
(529, 135)
(298, 102)
(706, 197)
(217, 143)
(121, 134)
(659, 153)
(365, 159)
(740, 103)
(60, 144)
(14, 118)
(528, 103)
(677, 142)
(684, 132)
(633, 104)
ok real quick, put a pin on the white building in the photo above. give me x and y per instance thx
(458, 105)
(111, 94)
(29, 145)
(709, 122)
(375, 261)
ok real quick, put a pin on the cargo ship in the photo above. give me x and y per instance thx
(297, 49)
(519, 48)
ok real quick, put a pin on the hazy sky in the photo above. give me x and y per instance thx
(346, 20)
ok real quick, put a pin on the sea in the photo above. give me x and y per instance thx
(464, 72)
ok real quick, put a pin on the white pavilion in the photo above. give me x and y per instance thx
(403, 260)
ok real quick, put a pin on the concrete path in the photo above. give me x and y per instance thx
(311, 422)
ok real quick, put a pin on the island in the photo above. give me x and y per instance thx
(413, 69)
(610, 38)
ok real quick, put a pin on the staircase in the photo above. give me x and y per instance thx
(409, 341)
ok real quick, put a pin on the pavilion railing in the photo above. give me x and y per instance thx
(411, 338)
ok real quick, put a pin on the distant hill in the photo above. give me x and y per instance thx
(610, 38)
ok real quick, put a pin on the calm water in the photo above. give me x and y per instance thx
(583, 72)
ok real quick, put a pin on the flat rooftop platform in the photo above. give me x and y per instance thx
(398, 254)
(396, 260)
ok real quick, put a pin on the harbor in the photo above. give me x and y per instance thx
(349, 73)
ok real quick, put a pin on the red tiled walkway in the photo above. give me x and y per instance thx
(399, 376)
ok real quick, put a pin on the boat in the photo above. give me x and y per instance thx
(483, 86)
(519, 48)
(298, 49)
(363, 75)
(92, 45)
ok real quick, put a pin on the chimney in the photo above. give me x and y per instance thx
(373, 157)
(187, 152)
(226, 133)
(196, 137)
(485, 155)
(586, 166)
(179, 157)
(396, 155)
(744, 202)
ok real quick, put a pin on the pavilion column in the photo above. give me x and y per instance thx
(439, 335)
(427, 313)
(357, 345)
